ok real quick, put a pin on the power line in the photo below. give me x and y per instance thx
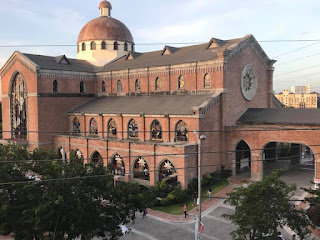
(297, 70)
(295, 60)
(298, 49)
(299, 76)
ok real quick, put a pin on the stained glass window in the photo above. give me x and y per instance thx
(141, 169)
(207, 80)
(76, 125)
(103, 45)
(137, 85)
(132, 129)
(125, 47)
(93, 46)
(119, 86)
(83, 46)
(181, 82)
(167, 171)
(93, 127)
(112, 128)
(103, 86)
(157, 84)
(19, 107)
(118, 164)
(55, 86)
(156, 131)
(181, 131)
(82, 87)
(116, 46)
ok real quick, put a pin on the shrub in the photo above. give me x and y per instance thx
(207, 180)
(193, 185)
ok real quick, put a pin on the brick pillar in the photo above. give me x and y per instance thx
(152, 176)
(256, 166)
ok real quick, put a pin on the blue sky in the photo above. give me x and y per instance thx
(60, 21)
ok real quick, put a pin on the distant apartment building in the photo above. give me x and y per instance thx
(300, 97)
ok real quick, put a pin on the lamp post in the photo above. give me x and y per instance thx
(200, 138)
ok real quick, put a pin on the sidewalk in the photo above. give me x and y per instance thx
(234, 181)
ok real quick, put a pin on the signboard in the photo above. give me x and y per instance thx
(200, 231)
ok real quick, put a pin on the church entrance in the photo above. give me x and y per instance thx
(243, 159)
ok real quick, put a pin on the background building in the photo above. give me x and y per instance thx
(301, 97)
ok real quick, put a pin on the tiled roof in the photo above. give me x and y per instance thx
(281, 116)
(156, 104)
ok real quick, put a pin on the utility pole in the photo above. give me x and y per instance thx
(197, 224)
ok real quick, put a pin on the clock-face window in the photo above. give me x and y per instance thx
(249, 82)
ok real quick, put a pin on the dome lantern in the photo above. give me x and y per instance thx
(105, 8)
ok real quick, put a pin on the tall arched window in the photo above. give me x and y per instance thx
(82, 87)
(103, 86)
(157, 84)
(156, 130)
(18, 107)
(137, 85)
(207, 80)
(93, 127)
(141, 169)
(125, 47)
(83, 46)
(55, 86)
(103, 45)
(96, 157)
(132, 129)
(119, 86)
(93, 46)
(181, 82)
(115, 46)
(76, 125)
(167, 171)
(181, 131)
(117, 164)
(112, 128)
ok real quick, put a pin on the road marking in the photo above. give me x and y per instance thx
(219, 219)
(143, 234)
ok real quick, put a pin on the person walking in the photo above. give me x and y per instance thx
(144, 213)
(185, 209)
(210, 193)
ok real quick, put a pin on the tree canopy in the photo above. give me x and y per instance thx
(263, 207)
(71, 199)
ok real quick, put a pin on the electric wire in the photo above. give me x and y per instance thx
(297, 70)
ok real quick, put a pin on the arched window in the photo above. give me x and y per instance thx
(103, 86)
(18, 107)
(76, 125)
(112, 128)
(117, 164)
(82, 87)
(103, 45)
(132, 129)
(93, 46)
(141, 169)
(137, 85)
(55, 86)
(156, 130)
(115, 46)
(207, 80)
(96, 157)
(93, 127)
(157, 84)
(119, 86)
(78, 154)
(181, 82)
(125, 47)
(167, 171)
(83, 46)
(181, 131)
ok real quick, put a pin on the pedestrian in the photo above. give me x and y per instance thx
(210, 193)
(144, 212)
(195, 196)
(185, 209)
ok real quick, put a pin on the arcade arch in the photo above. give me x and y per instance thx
(141, 169)
(167, 171)
(96, 157)
(242, 158)
(117, 164)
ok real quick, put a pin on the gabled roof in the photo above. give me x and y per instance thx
(215, 42)
(132, 55)
(281, 116)
(169, 50)
(152, 105)
(62, 59)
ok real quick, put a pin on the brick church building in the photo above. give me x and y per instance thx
(138, 111)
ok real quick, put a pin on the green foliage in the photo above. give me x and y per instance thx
(262, 207)
(314, 201)
(85, 204)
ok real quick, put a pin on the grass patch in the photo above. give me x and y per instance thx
(177, 209)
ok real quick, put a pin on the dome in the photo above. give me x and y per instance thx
(105, 28)
(105, 4)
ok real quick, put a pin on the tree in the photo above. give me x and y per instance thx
(314, 201)
(71, 200)
(264, 206)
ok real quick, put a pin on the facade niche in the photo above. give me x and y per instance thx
(181, 82)
(55, 86)
(76, 126)
(207, 80)
(157, 84)
(112, 128)
(137, 86)
(156, 130)
(119, 86)
(93, 127)
(132, 129)
(181, 131)
(82, 87)
(103, 86)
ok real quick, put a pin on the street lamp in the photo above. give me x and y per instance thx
(200, 139)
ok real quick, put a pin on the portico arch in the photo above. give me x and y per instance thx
(242, 158)
(167, 171)
(141, 169)
(117, 164)
(95, 157)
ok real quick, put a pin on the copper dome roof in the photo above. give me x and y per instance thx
(105, 28)
(105, 4)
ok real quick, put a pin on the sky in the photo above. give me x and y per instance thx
(47, 22)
